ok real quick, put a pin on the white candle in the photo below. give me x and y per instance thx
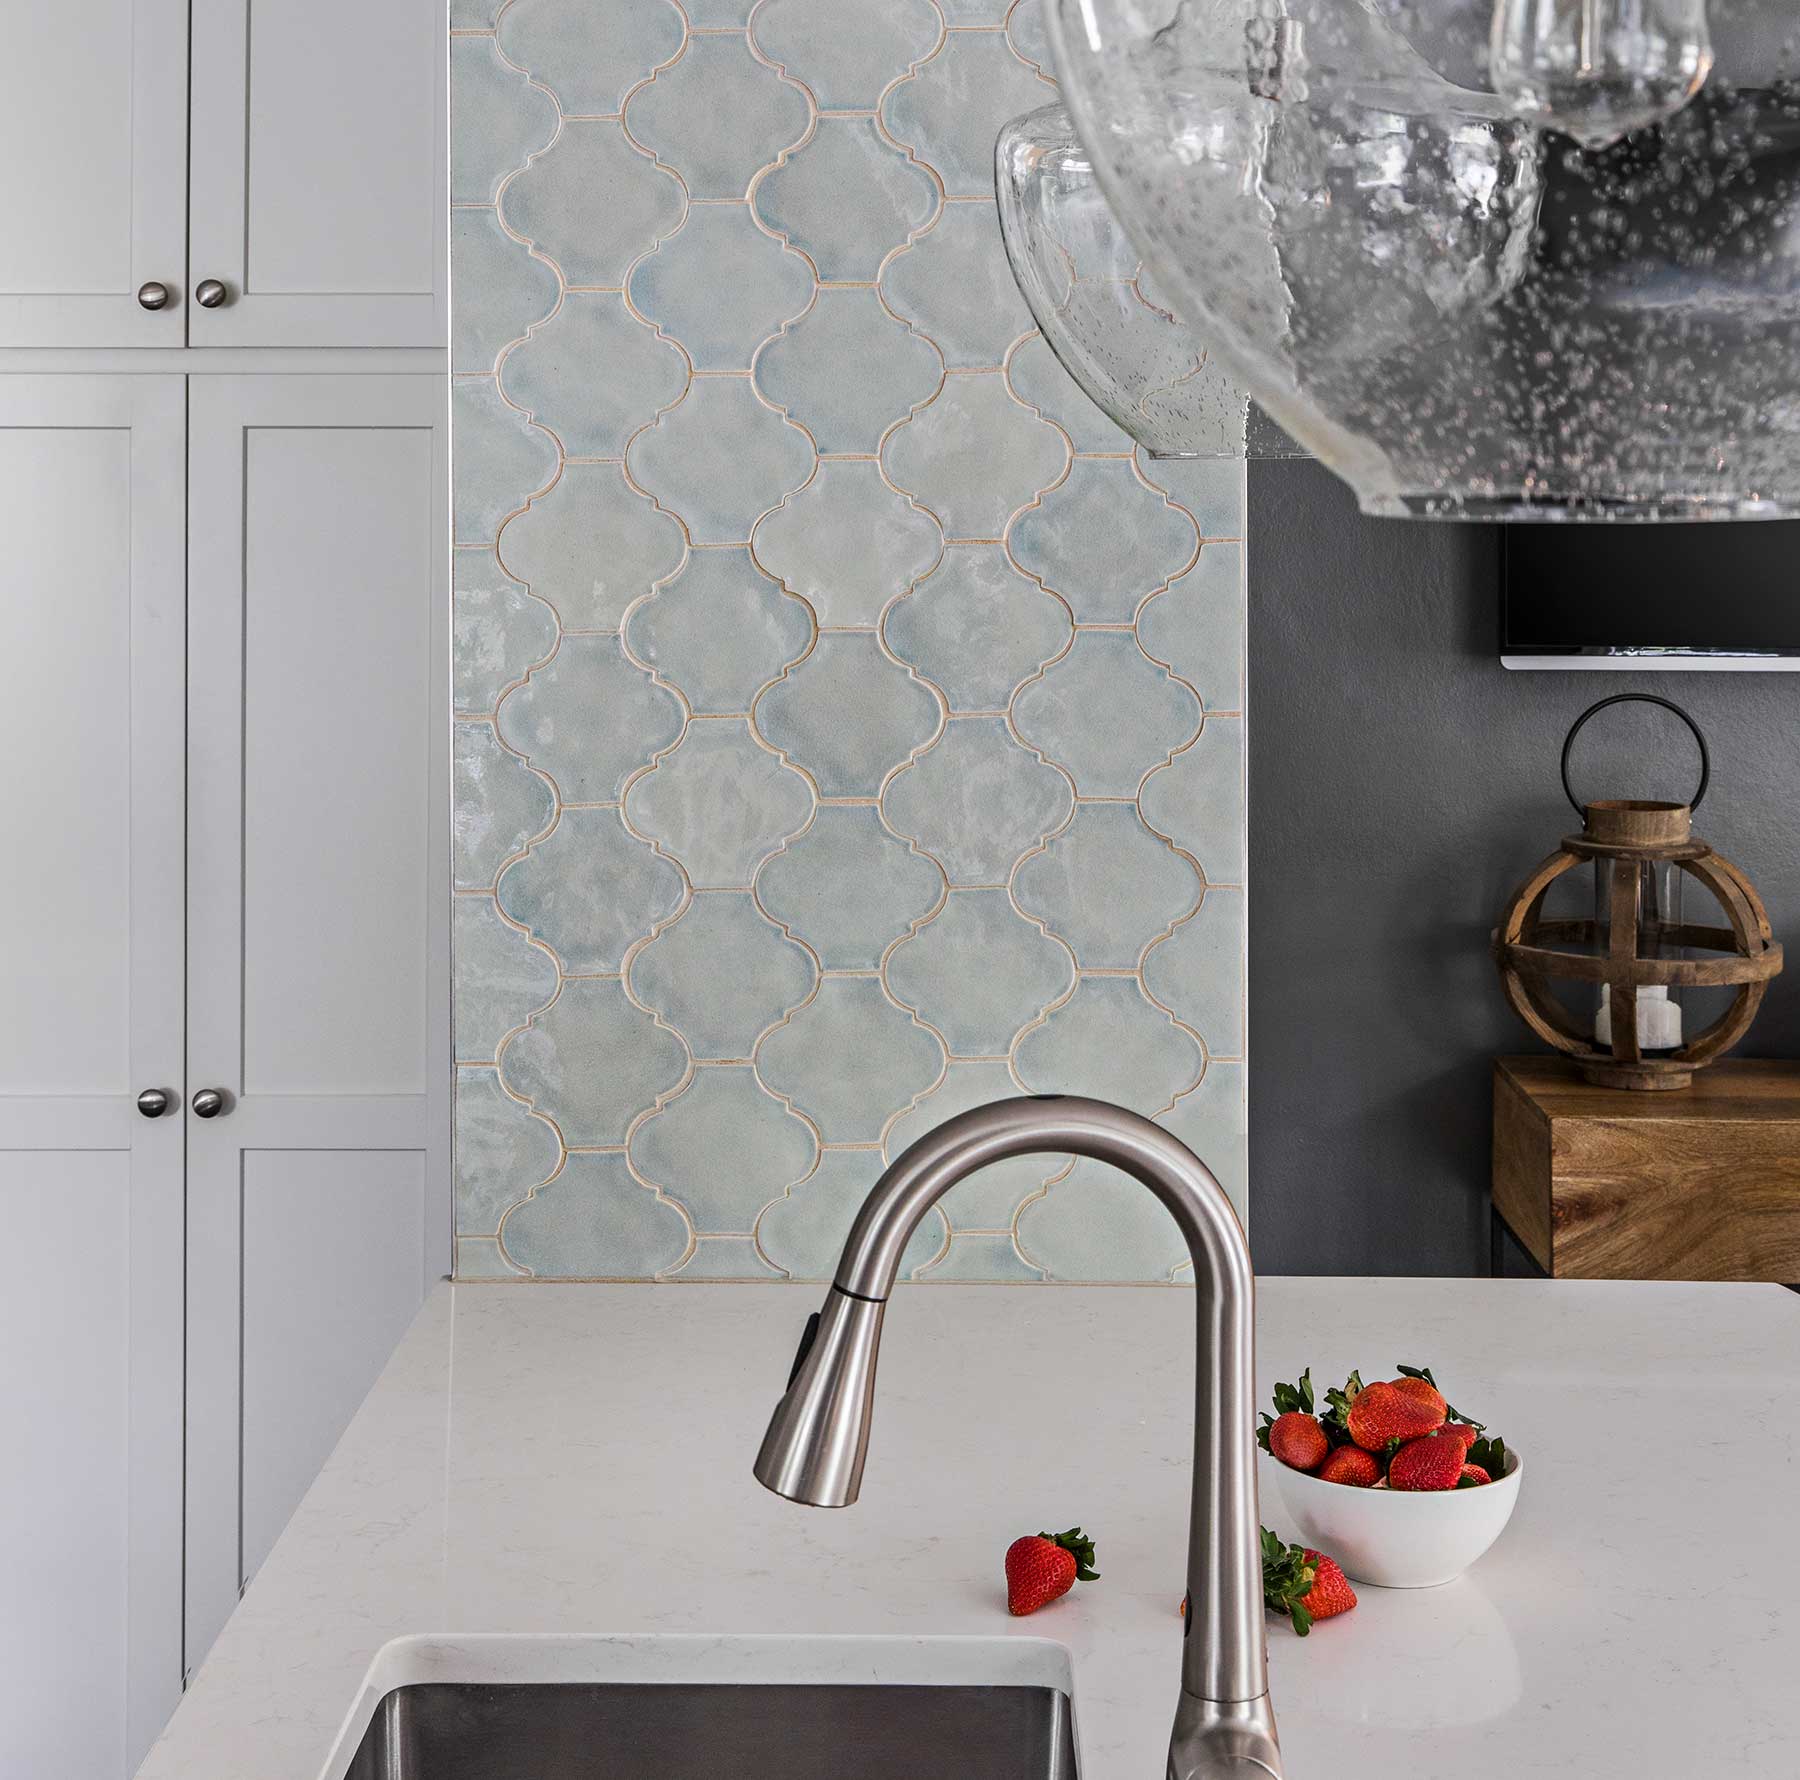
(1658, 1019)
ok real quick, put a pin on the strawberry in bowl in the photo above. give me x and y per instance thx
(1406, 1490)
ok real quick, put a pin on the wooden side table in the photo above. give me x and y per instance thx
(1701, 1182)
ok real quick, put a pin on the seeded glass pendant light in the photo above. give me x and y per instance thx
(1528, 260)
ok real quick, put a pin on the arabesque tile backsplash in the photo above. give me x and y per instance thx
(850, 726)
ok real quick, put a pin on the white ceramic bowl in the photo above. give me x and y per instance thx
(1399, 1538)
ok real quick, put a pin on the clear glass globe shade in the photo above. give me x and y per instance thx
(1463, 312)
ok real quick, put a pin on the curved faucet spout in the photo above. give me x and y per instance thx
(818, 1435)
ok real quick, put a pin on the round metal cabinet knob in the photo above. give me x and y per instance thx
(209, 293)
(208, 1103)
(153, 295)
(153, 1103)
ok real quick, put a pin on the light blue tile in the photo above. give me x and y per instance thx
(989, 1198)
(589, 890)
(849, 1060)
(498, 119)
(481, 1257)
(592, 1062)
(804, 1230)
(847, 55)
(848, 887)
(591, 57)
(1111, 1042)
(474, 15)
(502, 460)
(502, 1151)
(1213, 1122)
(719, 804)
(718, 117)
(500, 630)
(847, 197)
(974, 457)
(977, 801)
(847, 543)
(1107, 714)
(724, 1149)
(593, 374)
(589, 718)
(1108, 886)
(1038, 380)
(1197, 627)
(498, 805)
(593, 204)
(1101, 1225)
(847, 715)
(1026, 34)
(1104, 541)
(721, 286)
(983, 1255)
(955, 287)
(722, 976)
(718, 15)
(980, 973)
(1199, 972)
(976, 628)
(1210, 488)
(950, 112)
(1199, 800)
(595, 1222)
(501, 978)
(847, 370)
(501, 290)
(590, 545)
(720, 631)
(720, 460)
(726, 1258)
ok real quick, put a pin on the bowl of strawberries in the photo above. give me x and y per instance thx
(1404, 1489)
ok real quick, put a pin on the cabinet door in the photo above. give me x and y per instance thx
(90, 983)
(93, 136)
(318, 946)
(318, 192)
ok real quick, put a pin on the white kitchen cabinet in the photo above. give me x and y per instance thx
(91, 921)
(318, 941)
(317, 194)
(93, 137)
(240, 173)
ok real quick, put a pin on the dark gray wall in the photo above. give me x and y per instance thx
(1401, 784)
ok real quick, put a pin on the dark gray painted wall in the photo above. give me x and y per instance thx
(1401, 783)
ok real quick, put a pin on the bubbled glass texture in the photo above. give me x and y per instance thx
(1464, 311)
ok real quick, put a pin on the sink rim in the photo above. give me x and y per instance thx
(649, 1658)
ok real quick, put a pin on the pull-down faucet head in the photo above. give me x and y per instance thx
(818, 1436)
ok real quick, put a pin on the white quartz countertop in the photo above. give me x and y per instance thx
(562, 1460)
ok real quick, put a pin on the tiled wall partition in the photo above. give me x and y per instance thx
(850, 727)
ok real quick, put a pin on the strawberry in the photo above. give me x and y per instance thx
(1350, 1464)
(1470, 1475)
(1433, 1462)
(1466, 1432)
(1423, 1374)
(1422, 1391)
(1043, 1567)
(1297, 1440)
(1305, 1585)
(1379, 1413)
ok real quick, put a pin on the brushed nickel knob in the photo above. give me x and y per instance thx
(153, 1103)
(153, 295)
(209, 293)
(208, 1103)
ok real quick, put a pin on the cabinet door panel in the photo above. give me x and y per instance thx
(318, 187)
(91, 504)
(93, 133)
(318, 967)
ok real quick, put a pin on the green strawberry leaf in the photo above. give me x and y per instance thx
(1078, 1545)
(1489, 1452)
(1338, 1399)
(1262, 1433)
(1292, 1397)
(1287, 1580)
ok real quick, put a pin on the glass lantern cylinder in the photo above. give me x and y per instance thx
(1651, 888)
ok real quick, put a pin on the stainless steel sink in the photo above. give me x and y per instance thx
(700, 1731)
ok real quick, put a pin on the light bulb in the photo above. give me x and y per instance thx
(1596, 69)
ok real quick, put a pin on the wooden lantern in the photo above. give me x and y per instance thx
(1532, 951)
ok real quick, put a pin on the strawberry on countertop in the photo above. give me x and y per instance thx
(1043, 1567)
(1305, 1585)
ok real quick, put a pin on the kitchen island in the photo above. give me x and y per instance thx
(572, 1463)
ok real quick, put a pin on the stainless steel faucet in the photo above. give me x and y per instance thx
(819, 1433)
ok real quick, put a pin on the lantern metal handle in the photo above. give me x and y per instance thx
(1640, 698)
